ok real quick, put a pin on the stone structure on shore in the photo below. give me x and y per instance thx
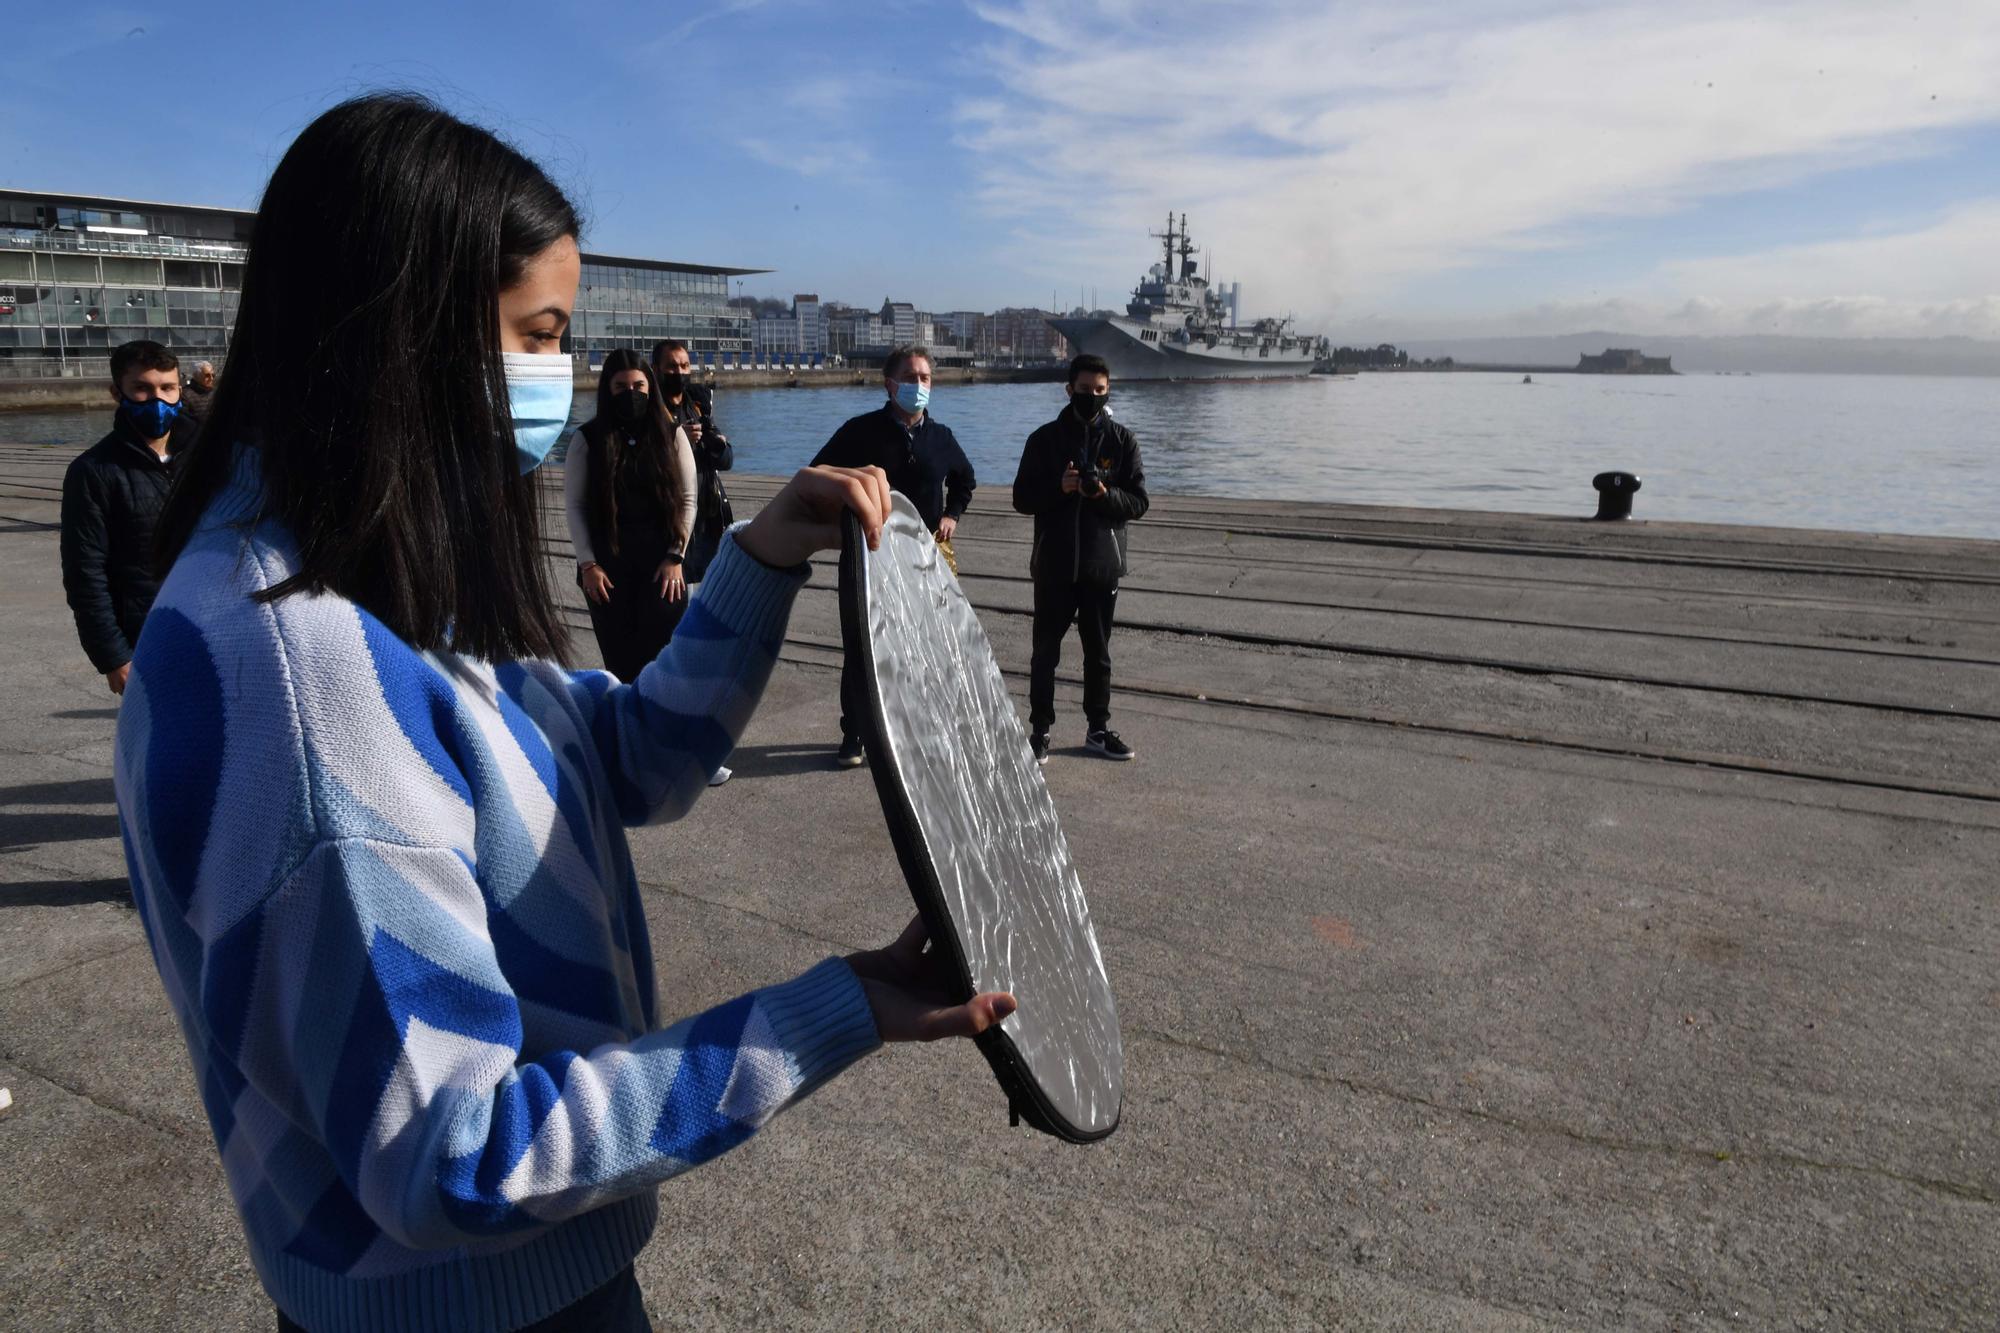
(1624, 361)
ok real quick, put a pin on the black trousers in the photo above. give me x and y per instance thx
(614, 1307)
(1091, 609)
(636, 623)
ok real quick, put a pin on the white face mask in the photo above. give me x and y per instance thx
(540, 389)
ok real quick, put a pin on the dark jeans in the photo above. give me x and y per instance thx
(614, 1307)
(1091, 609)
(636, 623)
(852, 697)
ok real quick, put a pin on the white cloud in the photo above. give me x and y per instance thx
(689, 25)
(1327, 155)
(810, 157)
(1931, 265)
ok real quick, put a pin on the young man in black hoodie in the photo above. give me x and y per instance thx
(112, 496)
(1080, 477)
(923, 461)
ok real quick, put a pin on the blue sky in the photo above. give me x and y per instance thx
(1426, 168)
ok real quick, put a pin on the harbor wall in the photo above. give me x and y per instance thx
(47, 395)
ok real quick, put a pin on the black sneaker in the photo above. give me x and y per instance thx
(1039, 743)
(1107, 744)
(851, 754)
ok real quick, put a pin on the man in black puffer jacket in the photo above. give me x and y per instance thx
(112, 497)
(1080, 477)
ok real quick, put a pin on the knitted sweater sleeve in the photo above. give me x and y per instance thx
(661, 737)
(680, 463)
(407, 1059)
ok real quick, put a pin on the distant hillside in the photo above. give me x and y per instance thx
(1767, 353)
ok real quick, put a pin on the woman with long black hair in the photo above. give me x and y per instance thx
(629, 489)
(376, 833)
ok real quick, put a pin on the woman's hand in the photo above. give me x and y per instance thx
(804, 517)
(906, 988)
(596, 584)
(673, 586)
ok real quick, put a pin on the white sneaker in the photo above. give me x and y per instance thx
(722, 775)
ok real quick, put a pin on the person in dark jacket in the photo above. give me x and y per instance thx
(691, 406)
(112, 496)
(923, 461)
(628, 487)
(1081, 480)
(198, 392)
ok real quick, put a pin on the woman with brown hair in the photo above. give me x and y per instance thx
(629, 487)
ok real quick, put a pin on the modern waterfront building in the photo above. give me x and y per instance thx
(80, 274)
(899, 318)
(812, 323)
(776, 338)
(624, 302)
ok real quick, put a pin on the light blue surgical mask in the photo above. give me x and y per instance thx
(912, 395)
(539, 391)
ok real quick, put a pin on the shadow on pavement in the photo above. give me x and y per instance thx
(81, 791)
(86, 712)
(779, 761)
(65, 893)
(26, 828)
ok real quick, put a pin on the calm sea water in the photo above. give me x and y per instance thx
(1872, 453)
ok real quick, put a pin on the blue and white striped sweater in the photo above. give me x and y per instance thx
(391, 900)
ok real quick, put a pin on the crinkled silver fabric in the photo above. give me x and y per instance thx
(986, 819)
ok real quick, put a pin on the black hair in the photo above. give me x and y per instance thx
(365, 372)
(607, 439)
(666, 347)
(902, 356)
(142, 353)
(1088, 363)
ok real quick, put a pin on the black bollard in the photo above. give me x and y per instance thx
(1614, 494)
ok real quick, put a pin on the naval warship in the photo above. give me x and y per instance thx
(1178, 327)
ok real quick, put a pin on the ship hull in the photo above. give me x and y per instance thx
(1120, 343)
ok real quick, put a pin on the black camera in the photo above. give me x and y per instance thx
(1087, 476)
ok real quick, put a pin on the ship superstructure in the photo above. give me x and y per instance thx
(1178, 326)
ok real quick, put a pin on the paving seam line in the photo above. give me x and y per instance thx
(1695, 759)
(1511, 667)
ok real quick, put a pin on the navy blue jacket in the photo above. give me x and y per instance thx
(927, 465)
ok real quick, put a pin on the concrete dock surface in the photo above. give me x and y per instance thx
(1515, 922)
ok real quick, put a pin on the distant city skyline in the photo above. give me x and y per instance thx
(1430, 171)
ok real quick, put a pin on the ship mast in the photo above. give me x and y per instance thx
(1169, 238)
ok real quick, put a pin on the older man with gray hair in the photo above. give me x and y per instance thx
(198, 392)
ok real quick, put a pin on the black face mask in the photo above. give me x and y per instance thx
(672, 382)
(630, 406)
(1088, 405)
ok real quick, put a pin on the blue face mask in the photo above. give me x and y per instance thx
(539, 390)
(912, 396)
(152, 419)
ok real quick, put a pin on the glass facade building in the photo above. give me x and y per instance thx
(636, 302)
(80, 274)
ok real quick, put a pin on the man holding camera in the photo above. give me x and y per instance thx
(1080, 478)
(691, 406)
